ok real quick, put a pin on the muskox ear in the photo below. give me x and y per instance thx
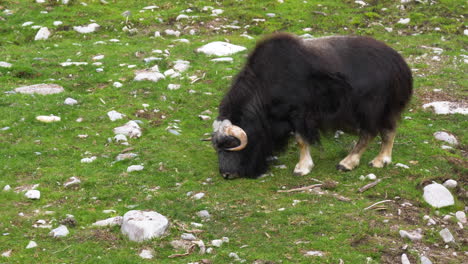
(331, 92)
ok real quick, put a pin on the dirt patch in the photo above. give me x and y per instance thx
(155, 118)
(104, 235)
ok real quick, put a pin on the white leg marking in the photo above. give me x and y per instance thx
(305, 164)
(352, 160)
(385, 155)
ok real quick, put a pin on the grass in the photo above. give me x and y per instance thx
(245, 210)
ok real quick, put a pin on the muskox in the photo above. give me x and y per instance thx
(290, 86)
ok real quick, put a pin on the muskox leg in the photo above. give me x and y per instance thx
(385, 155)
(352, 160)
(305, 164)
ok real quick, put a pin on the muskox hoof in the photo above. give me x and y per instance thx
(342, 168)
(380, 162)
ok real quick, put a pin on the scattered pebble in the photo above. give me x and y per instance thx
(7, 188)
(461, 217)
(70, 101)
(57, 23)
(143, 225)
(31, 244)
(371, 176)
(113, 221)
(445, 107)
(446, 235)
(146, 254)
(7, 253)
(404, 259)
(446, 137)
(72, 181)
(60, 231)
(131, 129)
(314, 254)
(204, 214)
(173, 87)
(198, 196)
(425, 260)
(86, 29)
(224, 59)
(5, 64)
(120, 138)
(114, 115)
(412, 235)
(438, 196)
(401, 165)
(133, 168)
(88, 160)
(187, 236)
(152, 74)
(42, 34)
(450, 184)
(42, 88)
(219, 48)
(48, 119)
(33, 194)
(126, 156)
(117, 84)
(404, 21)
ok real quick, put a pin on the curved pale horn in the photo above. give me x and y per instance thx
(238, 133)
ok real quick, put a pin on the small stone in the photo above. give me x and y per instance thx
(146, 254)
(224, 59)
(70, 101)
(197, 225)
(404, 21)
(42, 34)
(48, 119)
(401, 165)
(425, 260)
(143, 225)
(446, 235)
(438, 196)
(412, 235)
(86, 29)
(57, 23)
(131, 129)
(7, 188)
(198, 196)
(4, 64)
(314, 254)
(181, 65)
(31, 244)
(42, 88)
(117, 84)
(60, 231)
(7, 253)
(72, 181)
(217, 243)
(270, 15)
(148, 75)
(461, 217)
(204, 214)
(133, 168)
(33, 194)
(120, 138)
(219, 48)
(173, 86)
(450, 184)
(98, 57)
(88, 160)
(371, 176)
(114, 115)
(126, 156)
(404, 259)
(445, 107)
(187, 236)
(446, 137)
(204, 117)
(113, 221)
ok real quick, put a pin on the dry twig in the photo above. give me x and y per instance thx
(368, 186)
(189, 251)
(384, 201)
(305, 188)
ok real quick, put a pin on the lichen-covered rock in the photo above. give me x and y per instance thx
(143, 225)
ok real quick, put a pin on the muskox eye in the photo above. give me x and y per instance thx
(228, 142)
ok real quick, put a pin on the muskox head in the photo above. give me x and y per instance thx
(241, 152)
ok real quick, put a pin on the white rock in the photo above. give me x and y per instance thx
(25, 24)
(58, 23)
(33, 194)
(114, 115)
(361, 3)
(5, 64)
(425, 260)
(219, 48)
(446, 137)
(125, 156)
(7, 188)
(223, 59)
(146, 254)
(42, 34)
(60, 231)
(371, 176)
(117, 84)
(314, 254)
(198, 196)
(113, 221)
(204, 117)
(42, 88)
(120, 138)
(181, 65)
(98, 57)
(445, 107)
(461, 217)
(389, 29)
(179, 17)
(143, 225)
(86, 29)
(412, 235)
(204, 214)
(7, 253)
(446, 235)
(70, 101)
(445, 147)
(73, 63)
(173, 86)
(270, 14)
(437, 195)
(148, 75)
(216, 12)
(450, 184)
(88, 160)
(171, 32)
(135, 168)
(150, 7)
(401, 165)
(217, 243)
(31, 244)
(131, 129)
(188, 236)
(404, 259)
(72, 181)
(404, 21)
(48, 119)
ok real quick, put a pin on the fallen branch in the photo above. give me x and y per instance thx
(368, 186)
(384, 201)
(189, 251)
(305, 188)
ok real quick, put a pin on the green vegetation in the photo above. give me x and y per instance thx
(245, 210)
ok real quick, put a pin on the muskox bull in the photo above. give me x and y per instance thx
(304, 87)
